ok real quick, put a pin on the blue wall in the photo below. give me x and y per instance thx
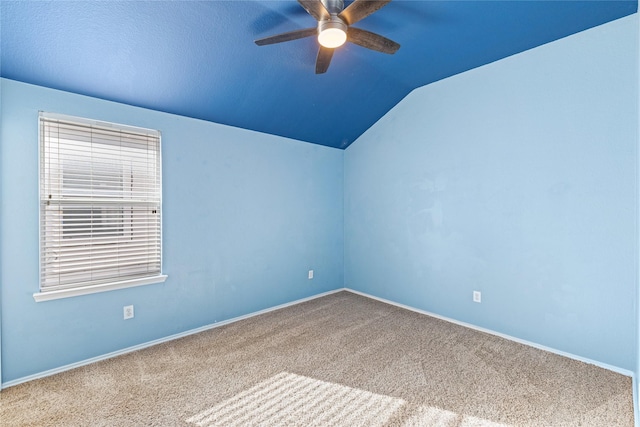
(1, 236)
(517, 179)
(637, 371)
(245, 216)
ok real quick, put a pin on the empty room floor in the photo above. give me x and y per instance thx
(338, 360)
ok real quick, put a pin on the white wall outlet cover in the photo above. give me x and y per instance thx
(477, 296)
(128, 311)
(310, 274)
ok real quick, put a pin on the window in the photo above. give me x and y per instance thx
(100, 200)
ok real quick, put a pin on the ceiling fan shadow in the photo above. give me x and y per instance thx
(274, 17)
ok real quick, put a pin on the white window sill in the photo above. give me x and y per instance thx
(104, 287)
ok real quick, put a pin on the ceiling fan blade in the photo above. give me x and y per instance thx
(324, 59)
(360, 9)
(371, 40)
(285, 37)
(315, 8)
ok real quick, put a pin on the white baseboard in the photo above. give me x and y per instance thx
(616, 369)
(158, 341)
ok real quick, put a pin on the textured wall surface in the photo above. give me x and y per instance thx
(516, 179)
(245, 216)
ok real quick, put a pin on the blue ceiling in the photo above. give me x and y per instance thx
(198, 58)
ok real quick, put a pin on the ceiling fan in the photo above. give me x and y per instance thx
(334, 29)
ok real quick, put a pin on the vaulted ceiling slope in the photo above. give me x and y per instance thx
(199, 59)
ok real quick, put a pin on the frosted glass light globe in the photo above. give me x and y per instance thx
(332, 37)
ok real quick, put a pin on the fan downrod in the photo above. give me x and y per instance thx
(334, 7)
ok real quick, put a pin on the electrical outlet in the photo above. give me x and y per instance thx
(477, 296)
(128, 312)
(310, 274)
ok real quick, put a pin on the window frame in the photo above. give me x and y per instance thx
(70, 290)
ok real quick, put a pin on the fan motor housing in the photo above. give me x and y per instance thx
(332, 32)
(332, 23)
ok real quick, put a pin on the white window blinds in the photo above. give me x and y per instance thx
(100, 195)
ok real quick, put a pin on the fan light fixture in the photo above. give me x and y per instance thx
(332, 33)
(332, 37)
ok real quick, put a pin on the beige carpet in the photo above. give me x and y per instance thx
(340, 360)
